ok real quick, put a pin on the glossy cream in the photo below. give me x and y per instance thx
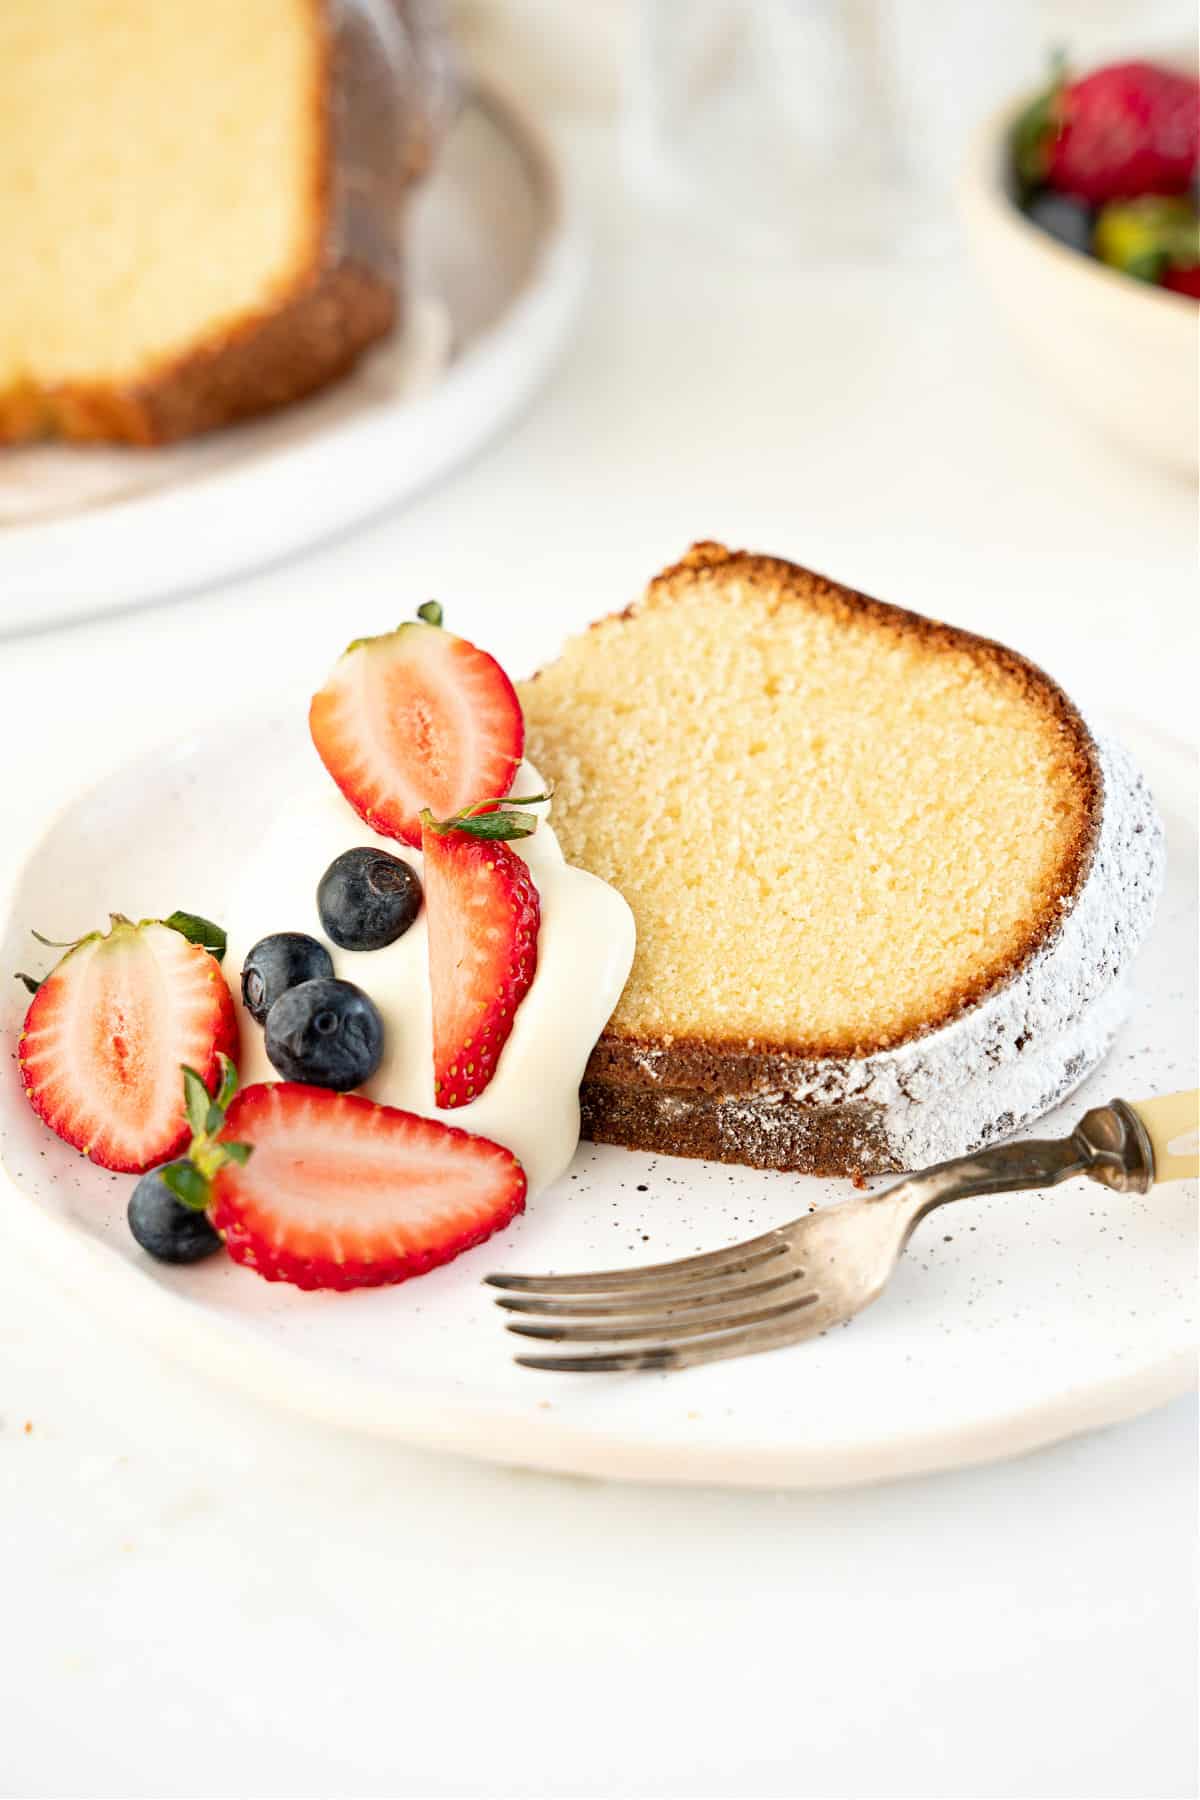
(585, 949)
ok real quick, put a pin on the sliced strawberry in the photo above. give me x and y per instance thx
(483, 913)
(106, 1034)
(417, 718)
(338, 1192)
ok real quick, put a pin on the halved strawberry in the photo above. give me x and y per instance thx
(337, 1192)
(417, 718)
(483, 915)
(107, 1031)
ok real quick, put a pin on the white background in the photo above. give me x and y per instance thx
(203, 1598)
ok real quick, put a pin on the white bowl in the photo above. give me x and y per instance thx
(1124, 354)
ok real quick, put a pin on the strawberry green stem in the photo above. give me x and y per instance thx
(191, 1181)
(500, 825)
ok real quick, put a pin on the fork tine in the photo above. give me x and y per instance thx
(656, 1301)
(730, 1261)
(673, 1330)
(749, 1341)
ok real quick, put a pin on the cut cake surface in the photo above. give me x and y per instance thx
(844, 831)
(201, 205)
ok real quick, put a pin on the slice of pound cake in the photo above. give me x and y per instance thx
(202, 202)
(887, 884)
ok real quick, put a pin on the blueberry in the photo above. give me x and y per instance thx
(164, 1226)
(368, 898)
(325, 1032)
(1067, 220)
(277, 963)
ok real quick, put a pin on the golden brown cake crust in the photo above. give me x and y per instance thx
(328, 313)
(827, 1140)
(264, 362)
(725, 1067)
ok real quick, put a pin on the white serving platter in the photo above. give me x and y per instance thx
(498, 265)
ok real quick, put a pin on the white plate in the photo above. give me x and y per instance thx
(1011, 1322)
(497, 269)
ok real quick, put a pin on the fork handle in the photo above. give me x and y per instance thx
(1123, 1147)
(1167, 1119)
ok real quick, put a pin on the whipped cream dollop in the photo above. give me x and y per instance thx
(585, 950)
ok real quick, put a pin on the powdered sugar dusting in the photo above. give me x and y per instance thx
(1004, 1061)
(1020, 1050)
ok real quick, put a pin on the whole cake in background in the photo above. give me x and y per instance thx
(203, 204)
(887, 884)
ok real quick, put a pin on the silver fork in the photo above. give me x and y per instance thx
(802, 1278)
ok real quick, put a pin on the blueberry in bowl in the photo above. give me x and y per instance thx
(325, 1032)
(1062, 217)
(368, 898)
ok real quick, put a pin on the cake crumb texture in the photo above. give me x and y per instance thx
(167, 185)
(837, 823)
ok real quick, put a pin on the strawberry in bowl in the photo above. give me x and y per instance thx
(1107, 165)
(1096, 271)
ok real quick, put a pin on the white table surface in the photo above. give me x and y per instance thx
(201, 1598)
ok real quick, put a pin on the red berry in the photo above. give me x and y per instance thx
(483, 913)
(107, 1032)
(417, 718)
(341, 1193)
(1129, 129)
(1183, 281)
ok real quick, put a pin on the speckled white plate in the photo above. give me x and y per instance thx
(497, 265)
(1012, 1322)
